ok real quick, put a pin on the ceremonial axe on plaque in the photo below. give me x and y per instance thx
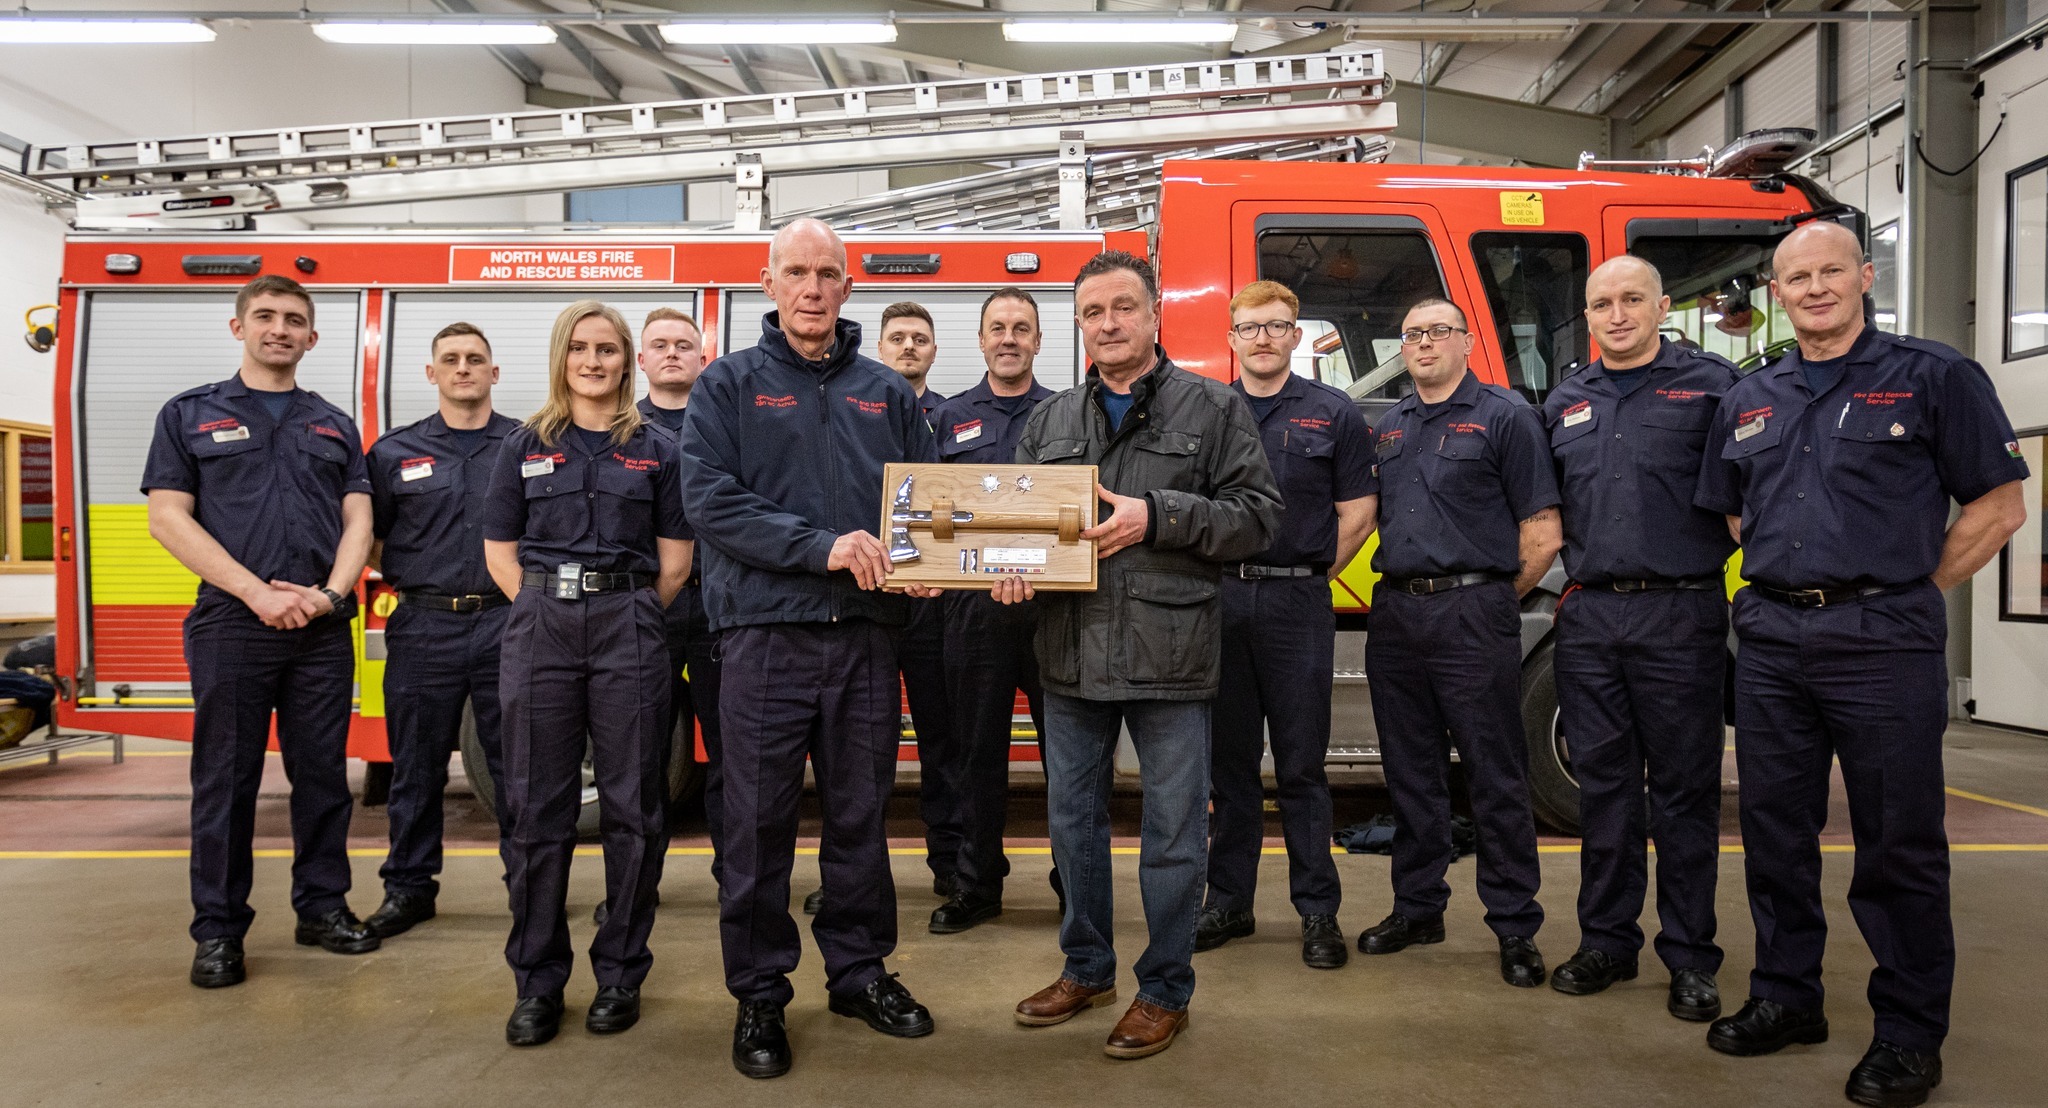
(942, 520)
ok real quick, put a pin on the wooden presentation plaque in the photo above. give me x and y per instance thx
(963, 526)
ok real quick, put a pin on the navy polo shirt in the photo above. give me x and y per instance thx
(428, 487)
(1457, 481)
(1321, 449)
(1628, 467)
(668, 419)
(1851, 487)
(978, 427)
(267, 489)
(601, 508)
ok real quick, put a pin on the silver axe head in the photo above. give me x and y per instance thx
(901, 549)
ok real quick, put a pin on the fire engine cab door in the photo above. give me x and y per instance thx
(1716, 270)
(141, 349)
(956, 318)
(518, 325)
(1356, 268)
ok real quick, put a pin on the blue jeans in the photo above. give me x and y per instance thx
(1172, 737)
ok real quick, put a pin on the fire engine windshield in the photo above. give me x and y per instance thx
(1720, 289)
(1354, 283)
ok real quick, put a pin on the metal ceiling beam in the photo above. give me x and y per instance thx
(511, 57)
(1438, 60)
(706, 84)
(826, 62)
(743, 70)
(1574, 56)
(1738, 56)
(605, 78)
(647, 38)
(1533, 134)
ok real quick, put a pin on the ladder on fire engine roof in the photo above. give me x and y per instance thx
(220, 179)
(1122, 190)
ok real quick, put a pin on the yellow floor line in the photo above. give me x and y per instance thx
(1992, 800)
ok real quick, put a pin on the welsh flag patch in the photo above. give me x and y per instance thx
(2012, 449)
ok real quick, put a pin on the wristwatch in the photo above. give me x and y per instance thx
(333, 598)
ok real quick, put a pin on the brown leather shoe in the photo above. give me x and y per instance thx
(1061, 1001)
(1145, 1030)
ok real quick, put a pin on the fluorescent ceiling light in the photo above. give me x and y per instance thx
(1460, 28)
(779, 32)
(35, 29)
(1119, 30)
(436, 33)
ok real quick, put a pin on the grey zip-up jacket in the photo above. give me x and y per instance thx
(1152, 629)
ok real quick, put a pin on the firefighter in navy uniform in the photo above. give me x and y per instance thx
(784, 450)
(259, 488)
(584, 530)
(1836, 466)
(1279, 634)
(1641, 639)
(672, 357)
(1468, 525)
(988, 651)
(428, 482)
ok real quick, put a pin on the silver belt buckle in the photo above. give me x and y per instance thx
(1818, 596)
(569, 581)
(594, 582)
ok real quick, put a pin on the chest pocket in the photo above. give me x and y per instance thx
(438, 481)
(623, 509)
(617, 480)
(1170, 443)
(1736, 449)
(1880, 426)
(205, 448)
(1069, 451)
(1462, 448)
(567, 478)
(1692, 418)
(325, 448)
(950, 448)
(1562, 434)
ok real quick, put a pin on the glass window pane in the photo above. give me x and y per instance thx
(2026, 263)
(631, 204)
(1720, 294)
(1355, 286)
(2024, 562)
(1536, 285)
(1884, 289)
(38, 504)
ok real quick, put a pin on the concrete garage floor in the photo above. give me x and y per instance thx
(96, 1009)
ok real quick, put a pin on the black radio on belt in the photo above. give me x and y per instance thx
(569, 581)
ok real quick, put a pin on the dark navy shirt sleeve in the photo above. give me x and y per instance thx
(1525, 466)
(505, 509)
(1975, 450)
(383, 501)
(1353, 476)
(356, 478)
(1720, 487)
(170, 464)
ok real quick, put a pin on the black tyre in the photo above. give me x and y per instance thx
(1553, 791)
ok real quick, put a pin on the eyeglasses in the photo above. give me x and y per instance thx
(1438, 333)
(1274, 328)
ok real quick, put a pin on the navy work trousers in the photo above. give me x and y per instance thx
(1279, 656)
(829, 692)
(436, 663)
(1172, 739)
(989, 659)
(693, 648)
(572, 668)
(1865, 684)
(1639, 679)
(939, 790)
(241, 672)
(1446, 670)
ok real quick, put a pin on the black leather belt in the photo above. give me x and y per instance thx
(1423, 586)
(1653, 584)
(592, 582)
(1820, 598)
(1249, 571)
(443, 602)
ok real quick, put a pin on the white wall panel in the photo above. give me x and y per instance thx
(1781, 92)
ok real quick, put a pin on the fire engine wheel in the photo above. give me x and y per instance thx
(1553, 791)
(685, 776)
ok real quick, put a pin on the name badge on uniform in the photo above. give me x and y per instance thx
(539, 467)
(415, 473)
(1750, 429)
(236, 435)
(1575, 418)
(967, 432)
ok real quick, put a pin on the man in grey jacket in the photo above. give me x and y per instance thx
(1189, 488)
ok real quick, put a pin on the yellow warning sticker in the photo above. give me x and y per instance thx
(1521, 209)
